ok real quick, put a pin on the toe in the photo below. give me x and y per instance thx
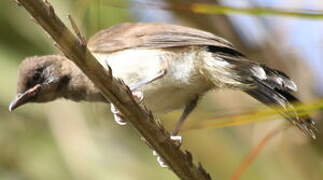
(118, 117)
(139, 96)
(177, 139)
(160, 160)
(119, 120)
(114, 110)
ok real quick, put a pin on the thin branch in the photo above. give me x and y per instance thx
(77, 30)
(115, 91)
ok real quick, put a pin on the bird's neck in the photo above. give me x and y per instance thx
(80, 87)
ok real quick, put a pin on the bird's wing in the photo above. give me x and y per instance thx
(140, 35)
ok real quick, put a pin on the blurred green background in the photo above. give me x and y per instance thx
(65, 140)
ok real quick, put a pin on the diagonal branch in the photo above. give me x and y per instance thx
(115, 91)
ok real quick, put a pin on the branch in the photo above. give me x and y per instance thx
(115, 91)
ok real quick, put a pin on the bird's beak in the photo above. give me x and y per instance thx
(23, 98)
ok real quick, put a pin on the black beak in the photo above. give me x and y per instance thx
(25, 97)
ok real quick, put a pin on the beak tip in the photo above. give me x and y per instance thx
(23, 98)
(11, 107)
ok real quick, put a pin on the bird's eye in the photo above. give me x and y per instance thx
(36, 76)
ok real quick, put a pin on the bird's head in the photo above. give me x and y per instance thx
(40, 79)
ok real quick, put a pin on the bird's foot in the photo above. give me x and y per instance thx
(177, 140)
(118, 116)
(139, 96)
(160, 160)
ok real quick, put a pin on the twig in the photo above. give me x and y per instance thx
(77, 30)
(115, 91)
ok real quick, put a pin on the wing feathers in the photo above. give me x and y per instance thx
(139, 35)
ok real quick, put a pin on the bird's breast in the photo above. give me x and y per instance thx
(181, 83)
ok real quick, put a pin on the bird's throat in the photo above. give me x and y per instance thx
(80, 87)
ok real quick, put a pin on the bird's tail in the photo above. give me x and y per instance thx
(229, 68)
(274, 90)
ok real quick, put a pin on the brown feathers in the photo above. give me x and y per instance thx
(139, 35)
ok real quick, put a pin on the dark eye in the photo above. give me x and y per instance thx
(36, 76)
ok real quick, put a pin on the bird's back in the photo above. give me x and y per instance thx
(152, 35)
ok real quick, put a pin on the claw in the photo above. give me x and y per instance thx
(160, 160)
(118, 117)
(177, 140)
(138, 95)
(119, 120)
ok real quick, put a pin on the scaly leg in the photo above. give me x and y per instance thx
(174, 135)
(187, 110)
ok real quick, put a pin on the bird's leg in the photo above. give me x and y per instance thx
(139, 84)
(118, 116)
(187, 110)
(174, 135)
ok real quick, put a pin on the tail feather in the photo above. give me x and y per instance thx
(274, 90)
(267, 85)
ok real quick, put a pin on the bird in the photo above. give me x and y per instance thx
(169, 66)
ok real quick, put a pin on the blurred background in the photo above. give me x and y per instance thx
(65, 140)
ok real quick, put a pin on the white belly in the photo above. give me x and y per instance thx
(181, 83)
